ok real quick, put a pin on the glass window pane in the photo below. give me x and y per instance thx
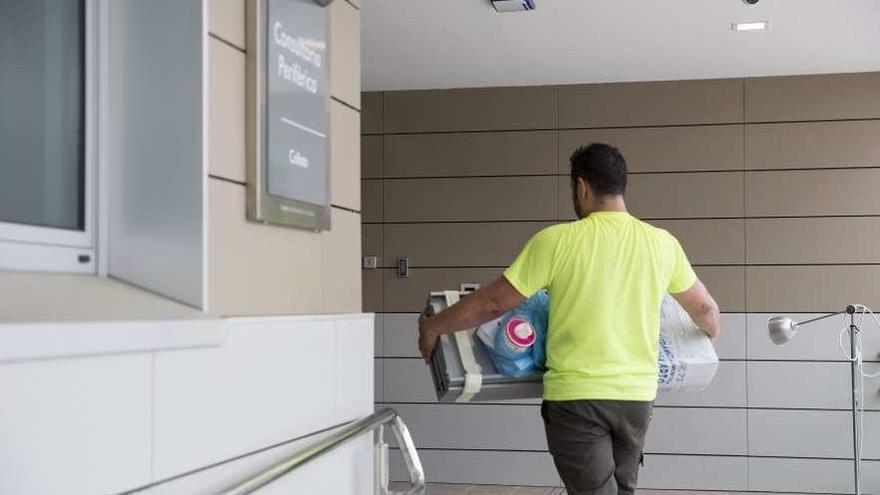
(42, 57)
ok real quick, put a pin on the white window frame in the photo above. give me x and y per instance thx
(37, 248)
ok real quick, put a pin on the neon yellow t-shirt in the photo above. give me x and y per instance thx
(607, 275)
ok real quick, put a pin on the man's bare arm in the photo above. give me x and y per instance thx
(484, 305)
(702, 308)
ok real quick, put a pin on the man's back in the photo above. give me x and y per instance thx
(607, 275)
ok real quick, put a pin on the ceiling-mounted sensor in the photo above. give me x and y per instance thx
(513, 5)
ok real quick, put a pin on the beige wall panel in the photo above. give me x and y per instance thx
(226, 20)
(345, 61)
(373, 240)
(458, 244)
(726, 284)
(468, 154)
(372, 157)
(813, 145)
(410, 294)
(811, 288)
(815, 97)
(685, 195)
(373, 113)
(786, 241)
(709, 242)
(258, 269)
(227, 112)
(476, 199)
(664, 149)
(651, 103)
(373, 200)
(812, 193)
(341, 261)
(68, 297)
(345, 156)
(373, 283)
(480, 109)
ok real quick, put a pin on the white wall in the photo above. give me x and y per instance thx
(105, 424)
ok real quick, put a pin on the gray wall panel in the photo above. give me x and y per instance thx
(811, 288)
(372, 157)
(814, 97)
(487, 467)
(800, 433)
(651, 103)
(459, 244)
(871, 478)
(709, 242)
(664, 149)
(800, 475)
(681, 472)
(787, 241)
(473, 426)
(697, 431)
(872, 387)
(379, 380)
(813, 145)
(726, 284)
(871, 428)
(378, 335)
(478, 109)
(731, 344)
(372, 113)
(372, 200)
(373, 241)
(471, 154)
(401, 335)
(408, 380)
(373, 284)
(799, 385)
(728, 389)
(812, 193)
(474, 199)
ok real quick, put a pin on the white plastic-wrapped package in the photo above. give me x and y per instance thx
(687, 361)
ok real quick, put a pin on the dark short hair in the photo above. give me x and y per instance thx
(602, 166)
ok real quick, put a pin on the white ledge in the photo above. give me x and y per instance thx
(25, 341)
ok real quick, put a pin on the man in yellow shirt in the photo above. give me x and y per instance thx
(606, 274)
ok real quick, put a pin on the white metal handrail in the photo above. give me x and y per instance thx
(375, 422)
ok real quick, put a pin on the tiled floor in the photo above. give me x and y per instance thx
(451, 489)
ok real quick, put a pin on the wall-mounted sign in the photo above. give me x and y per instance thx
(288, 113)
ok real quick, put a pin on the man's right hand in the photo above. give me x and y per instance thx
(702, 308)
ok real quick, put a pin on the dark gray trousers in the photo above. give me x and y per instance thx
(597, 444)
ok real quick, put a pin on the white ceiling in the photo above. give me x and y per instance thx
(419, 44)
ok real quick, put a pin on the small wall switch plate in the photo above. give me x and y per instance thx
(468, 287)
(371, 262)
(403, 267)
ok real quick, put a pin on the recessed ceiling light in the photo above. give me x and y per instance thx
(750, 26)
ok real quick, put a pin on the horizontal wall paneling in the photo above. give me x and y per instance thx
(471, 154)
(479, 109)
(663, 149)
(651, 103)
(815, 97)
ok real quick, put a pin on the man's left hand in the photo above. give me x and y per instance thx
(427, 338)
